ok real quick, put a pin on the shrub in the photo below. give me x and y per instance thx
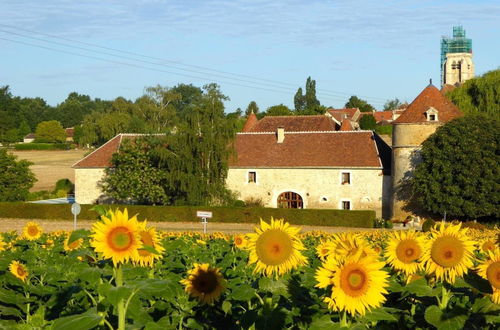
(254, 202)
(42, 146)
(312, 217)
(65, 185)
(428, 224)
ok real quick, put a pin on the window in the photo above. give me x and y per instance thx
(290, 200)
(346, 205)
(432, 117)
(252, 177)
(346, 178)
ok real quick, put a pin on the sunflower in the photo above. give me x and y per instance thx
(204, 283)
(116, 237)
(490, 270)
(275, 248)
(32, 231)
(149, 237)
(403, 250)
(240, 241)
(76, 244)
(325, 248)
(487, 245)
(349, 244)
(18, 270)
(448, 253)
(324, 274)
(359, 284)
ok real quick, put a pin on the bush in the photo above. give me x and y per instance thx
(65, 185)
(42, 146)
(428, 225)
(312, 217)
(384, 130)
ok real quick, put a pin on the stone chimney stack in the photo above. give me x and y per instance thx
(280, 134)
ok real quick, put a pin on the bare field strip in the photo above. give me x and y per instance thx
(51, 165)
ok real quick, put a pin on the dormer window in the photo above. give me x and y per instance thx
(431, 114)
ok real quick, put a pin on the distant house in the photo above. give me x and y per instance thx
(29, 138)
(352, 115)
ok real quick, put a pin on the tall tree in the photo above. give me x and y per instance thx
(252, 107)
(16, 178)
(299, 100)
(392, 104)
(368, 122)
(479, 95)
(308, 104)
(50, 131)
(356, 102)
(279, 110)
(460, 172)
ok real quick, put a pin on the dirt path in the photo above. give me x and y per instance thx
(228, 228)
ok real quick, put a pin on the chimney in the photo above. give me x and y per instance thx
(280, 134)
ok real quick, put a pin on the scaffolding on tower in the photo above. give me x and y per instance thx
(458, 44)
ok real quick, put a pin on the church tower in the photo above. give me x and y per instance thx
(456, 58)
(424, 115)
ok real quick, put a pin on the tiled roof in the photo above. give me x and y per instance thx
(293, 124)
(382, 115)
(341, 114)
(429, 97)
(101, 157)
(306, 149)
(346, 125)
(446, 88)
(30, 136)
(70, 132)
(251, 121)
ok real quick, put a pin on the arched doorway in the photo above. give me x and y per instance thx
(290, 200)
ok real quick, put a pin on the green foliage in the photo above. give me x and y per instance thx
(479, 95)
(308, 104)
(50, 132)
(42, 146)
(367, 122)
(428, 225)
(460, 169)
(313, 217)
(362, 105)
(16, 178)
(279, 110)
(252, 107)
(392, 104)
(65, 185)
(384, 130)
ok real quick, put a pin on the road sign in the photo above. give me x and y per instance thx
(203, 214)
(75, 208)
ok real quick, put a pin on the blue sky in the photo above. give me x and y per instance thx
(255, 50)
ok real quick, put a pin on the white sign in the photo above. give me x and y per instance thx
(203, 214)
(75, 208)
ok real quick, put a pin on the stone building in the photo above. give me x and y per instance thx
(424, 115)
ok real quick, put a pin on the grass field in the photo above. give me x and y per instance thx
(50, 166)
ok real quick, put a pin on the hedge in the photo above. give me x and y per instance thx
(42, 146)
(313, 217)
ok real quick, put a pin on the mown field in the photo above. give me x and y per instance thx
(50, 166)
(125, 274)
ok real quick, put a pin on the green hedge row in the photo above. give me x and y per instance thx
(313, 217)
(42, 146)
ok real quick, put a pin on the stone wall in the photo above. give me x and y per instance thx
(86, 189)
(318, 187)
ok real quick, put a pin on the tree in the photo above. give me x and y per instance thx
(460, 172)
(252, 107)
(16, 178)
(308, 104)
(362, 105)
(392, 104)
(479, 95)
(367, 122)
(136, 175)
(279, 110)
(50, 131)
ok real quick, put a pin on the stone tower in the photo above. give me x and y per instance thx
(424, 115)
(456, 58)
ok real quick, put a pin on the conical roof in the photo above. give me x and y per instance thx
(430, 97)
(251, 121)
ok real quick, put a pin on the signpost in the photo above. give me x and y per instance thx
(75, 209)
(204, 215)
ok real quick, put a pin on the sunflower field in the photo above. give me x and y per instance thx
(125, 275)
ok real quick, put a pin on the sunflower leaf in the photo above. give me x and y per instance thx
(478, 283)
(324, 322)
(77, 234)
(243, 293)
(379, 314)
(87, 320)
(150, 249)
(420, 288)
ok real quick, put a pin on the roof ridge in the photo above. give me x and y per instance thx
(304, 132)
(81, 160)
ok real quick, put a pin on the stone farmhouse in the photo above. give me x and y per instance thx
(312, 161)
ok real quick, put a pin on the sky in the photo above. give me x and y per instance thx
(255, 50)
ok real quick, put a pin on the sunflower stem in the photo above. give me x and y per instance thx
(343, 319)
(445, 298)
(121, 305)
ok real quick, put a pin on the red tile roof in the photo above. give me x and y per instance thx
(346, 125)
(251, 121)
(70, 132)
(382, 115)
(101, 157)
(446, 88)
(341, 114)
(294, 124)
(306, 149)
(429, 97)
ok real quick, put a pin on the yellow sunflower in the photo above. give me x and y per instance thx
(490, 270)
(403, 251)
(117, 236)
(487, 245)
(149, 237)
(204, 283)
(275, 248)
(240, 241)
(359, 284)
(325, 248)
(448, 253)
(349, 244)
(18, 270)
(75, 245)
(32, 231)
(324, 274)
